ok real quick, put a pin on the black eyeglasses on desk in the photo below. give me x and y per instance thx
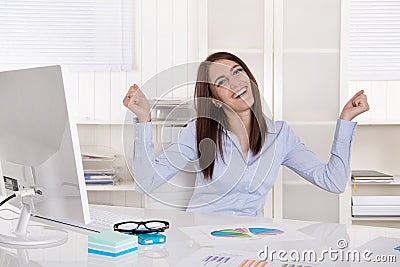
(146, 227)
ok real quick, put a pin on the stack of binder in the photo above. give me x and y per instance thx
(381, 206)
(112, 244)
(370, 176)
(101, 176)
(99, 166)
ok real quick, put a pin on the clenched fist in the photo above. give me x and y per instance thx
(137, 102)
(357, 104)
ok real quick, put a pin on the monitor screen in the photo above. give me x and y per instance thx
(39, 144)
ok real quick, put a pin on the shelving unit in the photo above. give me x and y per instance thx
(124, 185)
(375, 145)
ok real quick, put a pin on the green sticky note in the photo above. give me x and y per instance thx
(112, 238)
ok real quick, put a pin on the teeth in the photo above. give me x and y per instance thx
(241, 92)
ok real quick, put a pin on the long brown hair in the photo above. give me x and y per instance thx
(210, 121)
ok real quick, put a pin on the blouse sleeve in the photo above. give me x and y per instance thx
(149, 171)
(332, 176)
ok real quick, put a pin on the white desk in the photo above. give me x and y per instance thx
(178, 246)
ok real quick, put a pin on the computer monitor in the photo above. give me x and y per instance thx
(39, 148)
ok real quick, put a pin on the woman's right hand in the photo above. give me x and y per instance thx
(137, 102)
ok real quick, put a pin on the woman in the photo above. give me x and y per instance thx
(236, 150)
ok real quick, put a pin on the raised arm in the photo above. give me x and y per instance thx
(331, 176)
(149, 171)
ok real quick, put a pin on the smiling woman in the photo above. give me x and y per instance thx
(237, 151)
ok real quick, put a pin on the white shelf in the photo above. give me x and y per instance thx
(238, 50)
(372, 218)
(312, 51)
(154, 122)
(169, 123)
(124, 185)
(364, 123)
(99, 122)
(318, 123)
(295, 182)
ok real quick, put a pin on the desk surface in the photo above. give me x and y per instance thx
(178, 246)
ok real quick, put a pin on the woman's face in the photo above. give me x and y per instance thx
(230, 84)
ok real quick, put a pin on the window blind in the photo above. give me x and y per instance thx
(84, 35)
(374, 40)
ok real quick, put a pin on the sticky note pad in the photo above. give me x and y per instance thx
(112, 244)
(112, 238)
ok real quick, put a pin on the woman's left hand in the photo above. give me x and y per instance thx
(357, 104)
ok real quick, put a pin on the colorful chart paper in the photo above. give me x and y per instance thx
(246, 232)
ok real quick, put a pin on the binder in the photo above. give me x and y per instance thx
(370, 175)
(376, 200)
(376, 211)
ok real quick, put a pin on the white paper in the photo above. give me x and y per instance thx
(201, 235)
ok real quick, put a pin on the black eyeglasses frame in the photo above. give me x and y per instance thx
(136, 231)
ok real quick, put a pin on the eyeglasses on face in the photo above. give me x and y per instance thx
(145, 227)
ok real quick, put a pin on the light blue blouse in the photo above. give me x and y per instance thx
(240, 186)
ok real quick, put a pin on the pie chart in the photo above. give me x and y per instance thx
(246, 232)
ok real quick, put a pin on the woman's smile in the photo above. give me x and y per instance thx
(240, 93)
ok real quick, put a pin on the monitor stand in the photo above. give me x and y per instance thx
(32, 236)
